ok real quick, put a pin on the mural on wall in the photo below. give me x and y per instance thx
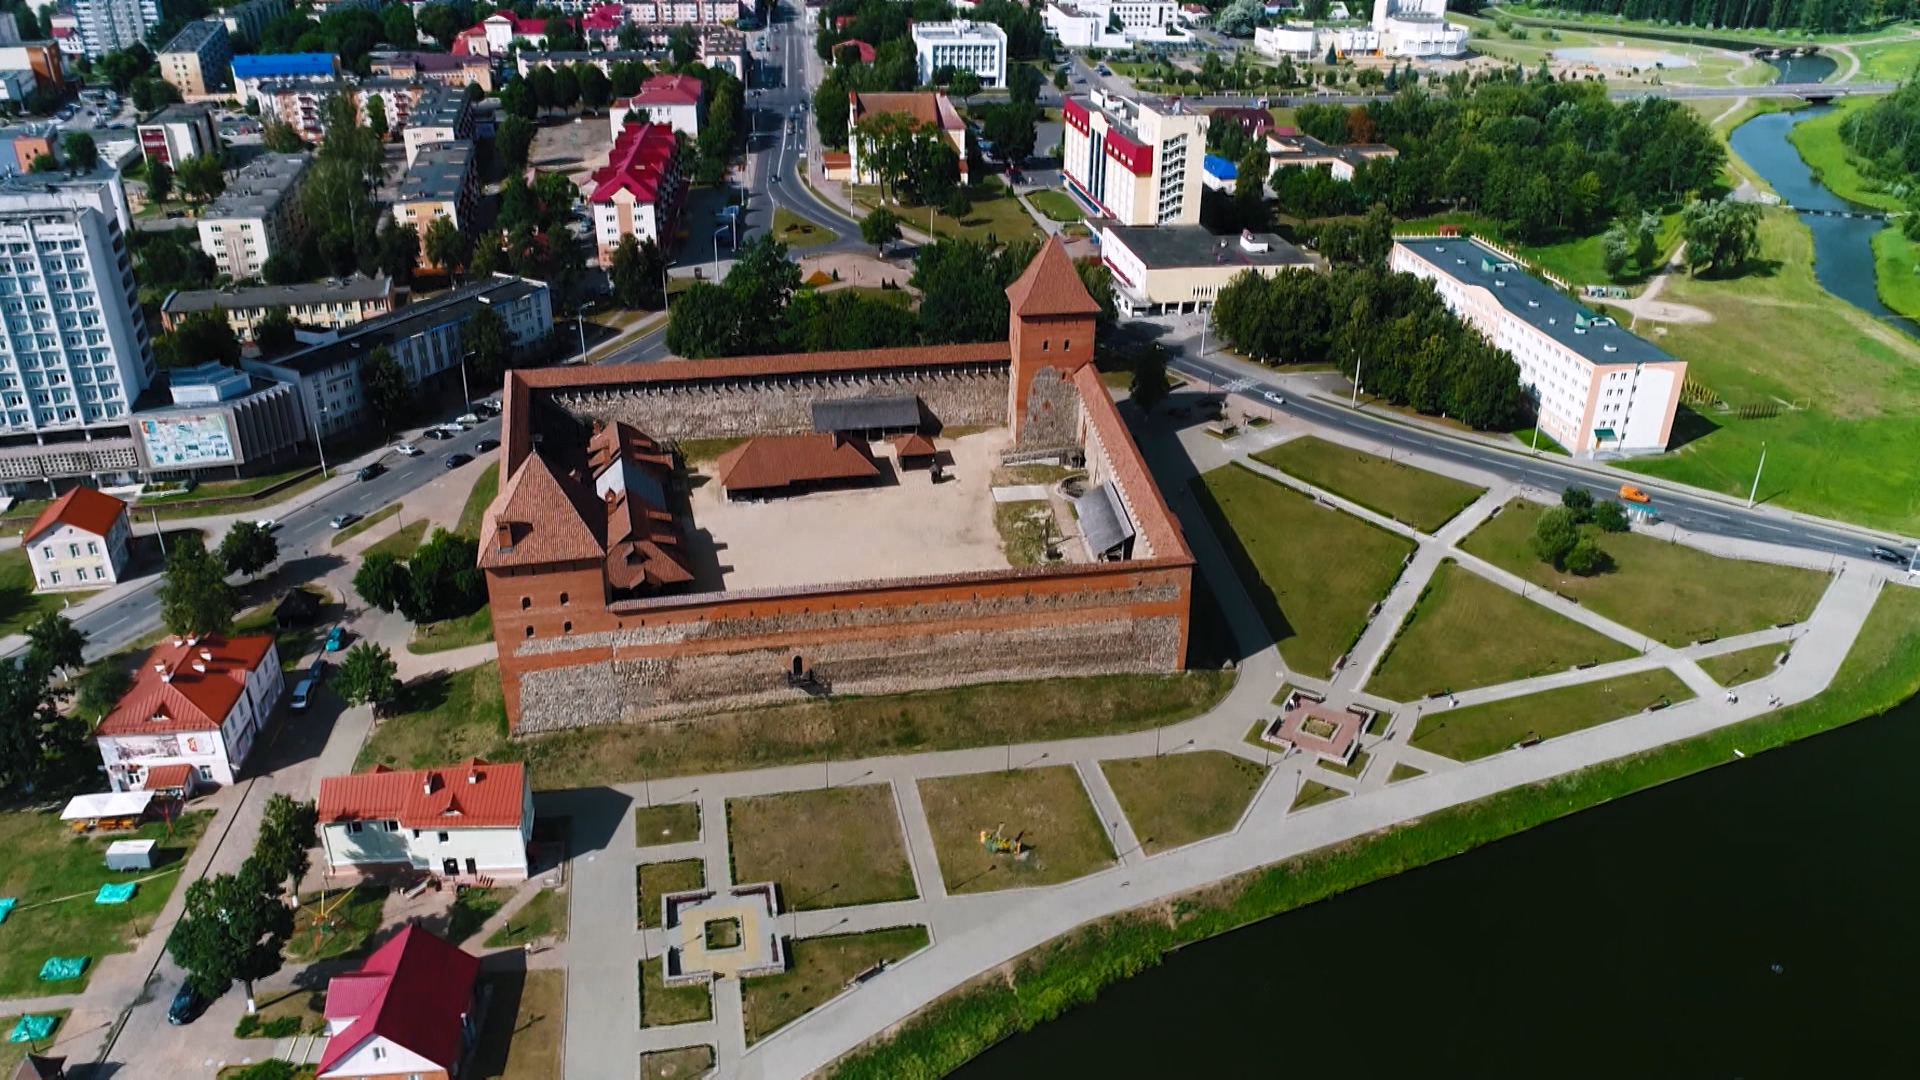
(187, 440)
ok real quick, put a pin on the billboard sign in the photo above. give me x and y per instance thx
(187, 440)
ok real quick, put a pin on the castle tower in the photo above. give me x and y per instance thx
(1050, 326)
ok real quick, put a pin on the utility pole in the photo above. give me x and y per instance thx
(1755, 492)
(466, 395)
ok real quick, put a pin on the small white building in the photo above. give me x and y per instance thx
(80, 541)
(409, 1011)
(671, 100)
(968, 46)
(467, 821)
(197, 702)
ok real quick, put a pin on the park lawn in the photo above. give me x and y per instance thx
(1352, 769)
(1820, 146)
(1490, 727)
(195, 505)
(471, 910)
(401, 544)
(818, 970)
(668, 823)
(1403, 771)
(1313, 793)
(1279, 541)
(834, 847)
(1535, 439)
(1887, 61)
(343, 535)
(1579, 261)
(300, 1005)
(485, 487)
(798, 232)
(459, 633)
(521, 1040)
(1847, 452)
(351, 918)
(1670, 592)
(996, 214)
(1045, 808)
(1466, 631)
(20, 606)
(1057, 205)
(12, 1053)
(1896, 270)
(1416, 497)
(46, 865)
(662, 1005)
(544, 916)
(655, 880)
(1175, 799)
(685, 1063)
(450, 716)
(1743, 666)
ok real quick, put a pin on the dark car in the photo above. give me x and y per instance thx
(371, 471)
(487, 446)
(1889, 555)
(454, 461)
(437, 433)
(187, 1006)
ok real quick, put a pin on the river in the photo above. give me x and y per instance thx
(1751, 921)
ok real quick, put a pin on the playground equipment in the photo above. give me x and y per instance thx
(998, 843)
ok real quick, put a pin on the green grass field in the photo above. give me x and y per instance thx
(1579, 261)
(336, 923)
(1175, 799)
(1734, 668)
(685, 1063)
(1818, 140)
(1670, 592)
(1315, 606)
(1467, 632)
(1888, 61)
(834, 847)
(343, 535)
(655, 880)
(1411, 496)
(818, 970)
(544, 916)
(1488, 728)
(1403, 771)
(797, 232)
(452, 633)
(20, 606)
(485, 487)
(662, 1005)
(668, 823)
(521, 1039)
(401, 544)
(1056, 205)
(1896, 270)
(1045, 807)
(1313, 793)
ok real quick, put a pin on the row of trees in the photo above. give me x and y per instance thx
(1816, 16)
(441, 580)
(235, 925)
(42, 745)
(1885, 138)
(1560, 539)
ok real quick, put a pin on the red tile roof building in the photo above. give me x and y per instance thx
(639, 191)
(467, 821)
(409, 1011)
(82, 540)
(930, 109)
(676, 101)
(787, 464)
(197, 702)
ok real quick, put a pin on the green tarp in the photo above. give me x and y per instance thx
(6, 907)
(115, 894)
(31, 1029)
(62, 967)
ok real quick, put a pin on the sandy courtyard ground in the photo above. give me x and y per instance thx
(904, 526)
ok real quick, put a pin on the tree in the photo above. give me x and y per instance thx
(385, 384)
(288, 829)
(1097, 276)
(513, 139)
(1012, 129)
(99, 689)
(201, 178)
(248, 549)
(880, 228)
(1720, 234)
(377, 110)
(1646, 240)
(566, 87)
(636, 274)
(1610, 516)
(965, 85)
(194, 595)
(596, 90)
(702, 322)
(159, 181)
(1149, 385)
(384, 582)
(198, 338)
(150, 94)
(368, 676)
(447, 582)
(1554, 535)
(448, 247)
(280, 137)
(274, 332)
(398, 25)
(80, 151)
(399, 250)
(55, 644)
(233, 930)
(1585, 557)
(1579, 503)
(36, 741)
(490, 346)
(121, 66)
(1615, 251)
(44, 163)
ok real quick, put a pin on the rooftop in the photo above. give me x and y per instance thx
(441, 171)
(959, 30)
(362, 338)
(641, 158)
(1283, 142)
(1169, 247)
(84, 508)
(439, 106)
(186, 684)
(667, 90)
(1596, 338)
(474, 794)
(194, 35)
(179, 114)
(929, 107)
(259, 186)
(271, 65)
(414, 991)
(773, 462)
(331, 291)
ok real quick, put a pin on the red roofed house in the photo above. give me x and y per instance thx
(638, 192)
(862, 51)
(195, 702)
(79, 541)
(789, 464)
(465, 821)
(410, 1012)
(673, 100)
(931, 108)
(492, 35)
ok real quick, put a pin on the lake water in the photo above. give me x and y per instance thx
(1752, 921)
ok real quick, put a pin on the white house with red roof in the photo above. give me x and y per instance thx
(409, 1012)
(492, 35)
(466, 821)
(80, 541)
(638, 192)
(672, 100)
(197, 702)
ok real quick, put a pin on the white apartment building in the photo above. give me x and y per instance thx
(1600, 390)
(1089, 24)
(968, 46)
(1399, 28)
(80, 541)
(258, 213)
(106, 25)
(1137, 162)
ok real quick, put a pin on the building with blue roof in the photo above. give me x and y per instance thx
(252, 69)
(1218, 173)
(1601, 390)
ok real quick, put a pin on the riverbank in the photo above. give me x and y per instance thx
(1896, 277)
(1882, 670)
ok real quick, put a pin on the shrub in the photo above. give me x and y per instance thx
(1586, 558)
(1610, 516)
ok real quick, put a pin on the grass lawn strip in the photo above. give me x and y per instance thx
(1490, 727)
(341, 536)
(1466, 631)
(834, 847)
(350, 918)
(798, 232)
(454, 715)
(818, 970)
(1176, 799)
(471, 909)
(686, 1063)
(1046, 808)
(54, 876)
(668, 823)
(544, 916)
(402, 544)
(1403, 771)
(1416, 497)
(521, 1039)
(1670, 592)
(663, 1006)
(452, 633)
(20, 606)
(655, 880)
(1278, 539)
(1746, 665)
(1352, 769)
(485, 487)
(1882, 671)
(1056, 205)
(1313, 793)
(302, 1009)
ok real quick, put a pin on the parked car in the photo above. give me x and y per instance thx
(467, 419)
(341, 521)
(487, 446)
(454, 461)
(302, 695)
(176, 214)
(336, 639)
(187, 1006)
(407, 449)
(317, 671)
(371, 471)
(436, 433)
(1885, 554)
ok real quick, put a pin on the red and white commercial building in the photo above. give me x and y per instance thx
(1137, 162)
(198, 702)
(639, 191)
(673, 100)
(179, 132)
(465, 822)
(409, 1013)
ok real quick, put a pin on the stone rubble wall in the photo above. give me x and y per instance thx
(1053, 411)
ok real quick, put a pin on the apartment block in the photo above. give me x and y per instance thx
(106, 25)
(198, 61)
(443, 68)
(673, 100)
(257, 215)
(968, 46)
(640, 190)
(442, 182)
(1135, 161)
(179, 132)
(323, 305)
(441, 115)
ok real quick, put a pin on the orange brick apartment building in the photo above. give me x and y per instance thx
(586, 549)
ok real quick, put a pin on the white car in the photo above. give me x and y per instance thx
(409, 450)
(266, 524)
(1273, 397)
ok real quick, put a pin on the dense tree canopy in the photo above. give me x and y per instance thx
(1817, 16)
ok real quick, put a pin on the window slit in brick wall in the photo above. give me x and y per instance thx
(529, 631)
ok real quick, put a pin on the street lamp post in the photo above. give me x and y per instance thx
(1356, 379)
(1755, 492)
(320, 411)
(466, 395)
(580, 325)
